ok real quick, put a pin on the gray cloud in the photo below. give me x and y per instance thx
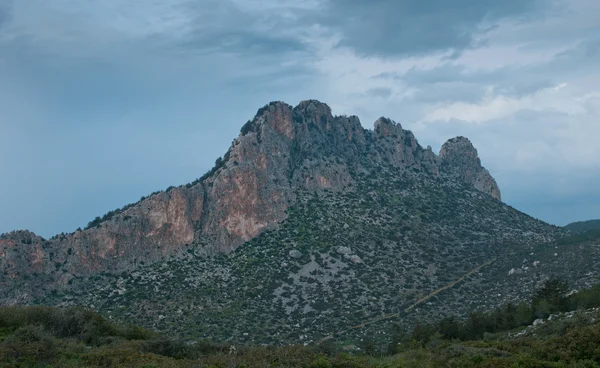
(585, 53)
(389, 27)
(107, 101)
(382, 92)
(242, 42)
(176, 28)
(454, 83)
(225, 26)
(449, 92)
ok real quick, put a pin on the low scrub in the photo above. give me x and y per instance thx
(51, 337)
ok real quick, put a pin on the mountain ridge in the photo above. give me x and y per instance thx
(247, 192)
(309, 222)
(250, 126)
(340, 258)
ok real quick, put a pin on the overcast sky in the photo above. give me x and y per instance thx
(102, 102)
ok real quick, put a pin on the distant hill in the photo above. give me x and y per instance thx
(583, 226)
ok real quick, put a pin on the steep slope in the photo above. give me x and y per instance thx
(280, 151)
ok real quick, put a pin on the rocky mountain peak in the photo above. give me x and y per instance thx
(281, 152)
(314, 107)
(459, 148)
(314, 114)
(385, 127)
(459, 158)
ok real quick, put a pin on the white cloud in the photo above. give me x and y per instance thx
(496, 106)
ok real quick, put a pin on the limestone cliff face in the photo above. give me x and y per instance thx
(459, 159)
(252, 191)
(156, 227)
(21, 249)
(283, 149)
(401, 148)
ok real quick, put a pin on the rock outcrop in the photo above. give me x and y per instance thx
(283, 149)
(459, 159)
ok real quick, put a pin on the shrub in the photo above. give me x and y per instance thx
(550, 298)
(30, 343)
(77, 323)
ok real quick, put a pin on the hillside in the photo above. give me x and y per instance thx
(308, 224)
(323, 271)
(42, 336)
(583, 226)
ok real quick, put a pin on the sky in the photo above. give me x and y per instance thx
(103, 102)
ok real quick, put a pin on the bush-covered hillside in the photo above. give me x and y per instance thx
(339, 259)
(584, 226)
(50, 337)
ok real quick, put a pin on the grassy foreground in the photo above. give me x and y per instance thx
(50, 337)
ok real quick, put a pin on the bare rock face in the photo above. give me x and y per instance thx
(146, 232)
(158, 226)
(281, 150)
(21, 251)
(252, 191)
(23, 257)
(401, 149)
(460, 160)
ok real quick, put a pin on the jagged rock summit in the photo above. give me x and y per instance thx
(460, 159)
(282, 150)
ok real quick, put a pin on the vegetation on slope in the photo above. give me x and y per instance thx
(340, 258)
(50, 337)
(579, 237)
(552, 299)
(584, 226)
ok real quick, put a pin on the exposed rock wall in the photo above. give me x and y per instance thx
(282, 149)
(459, 159)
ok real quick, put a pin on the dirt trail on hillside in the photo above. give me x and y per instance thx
(411, 307)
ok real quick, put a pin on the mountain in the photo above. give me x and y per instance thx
(581, 227)
(280, 151)
(309, 223)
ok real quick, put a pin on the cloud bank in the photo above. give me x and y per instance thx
(106, 101)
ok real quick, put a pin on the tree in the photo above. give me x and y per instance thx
(552, 297)
(94, 223)
(523, 314)
(543, 309)
(476, 325)
(398, 336)
(422, 333)
(449, 328)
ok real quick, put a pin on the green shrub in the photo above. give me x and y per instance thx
(28, 343)
(550, 298)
